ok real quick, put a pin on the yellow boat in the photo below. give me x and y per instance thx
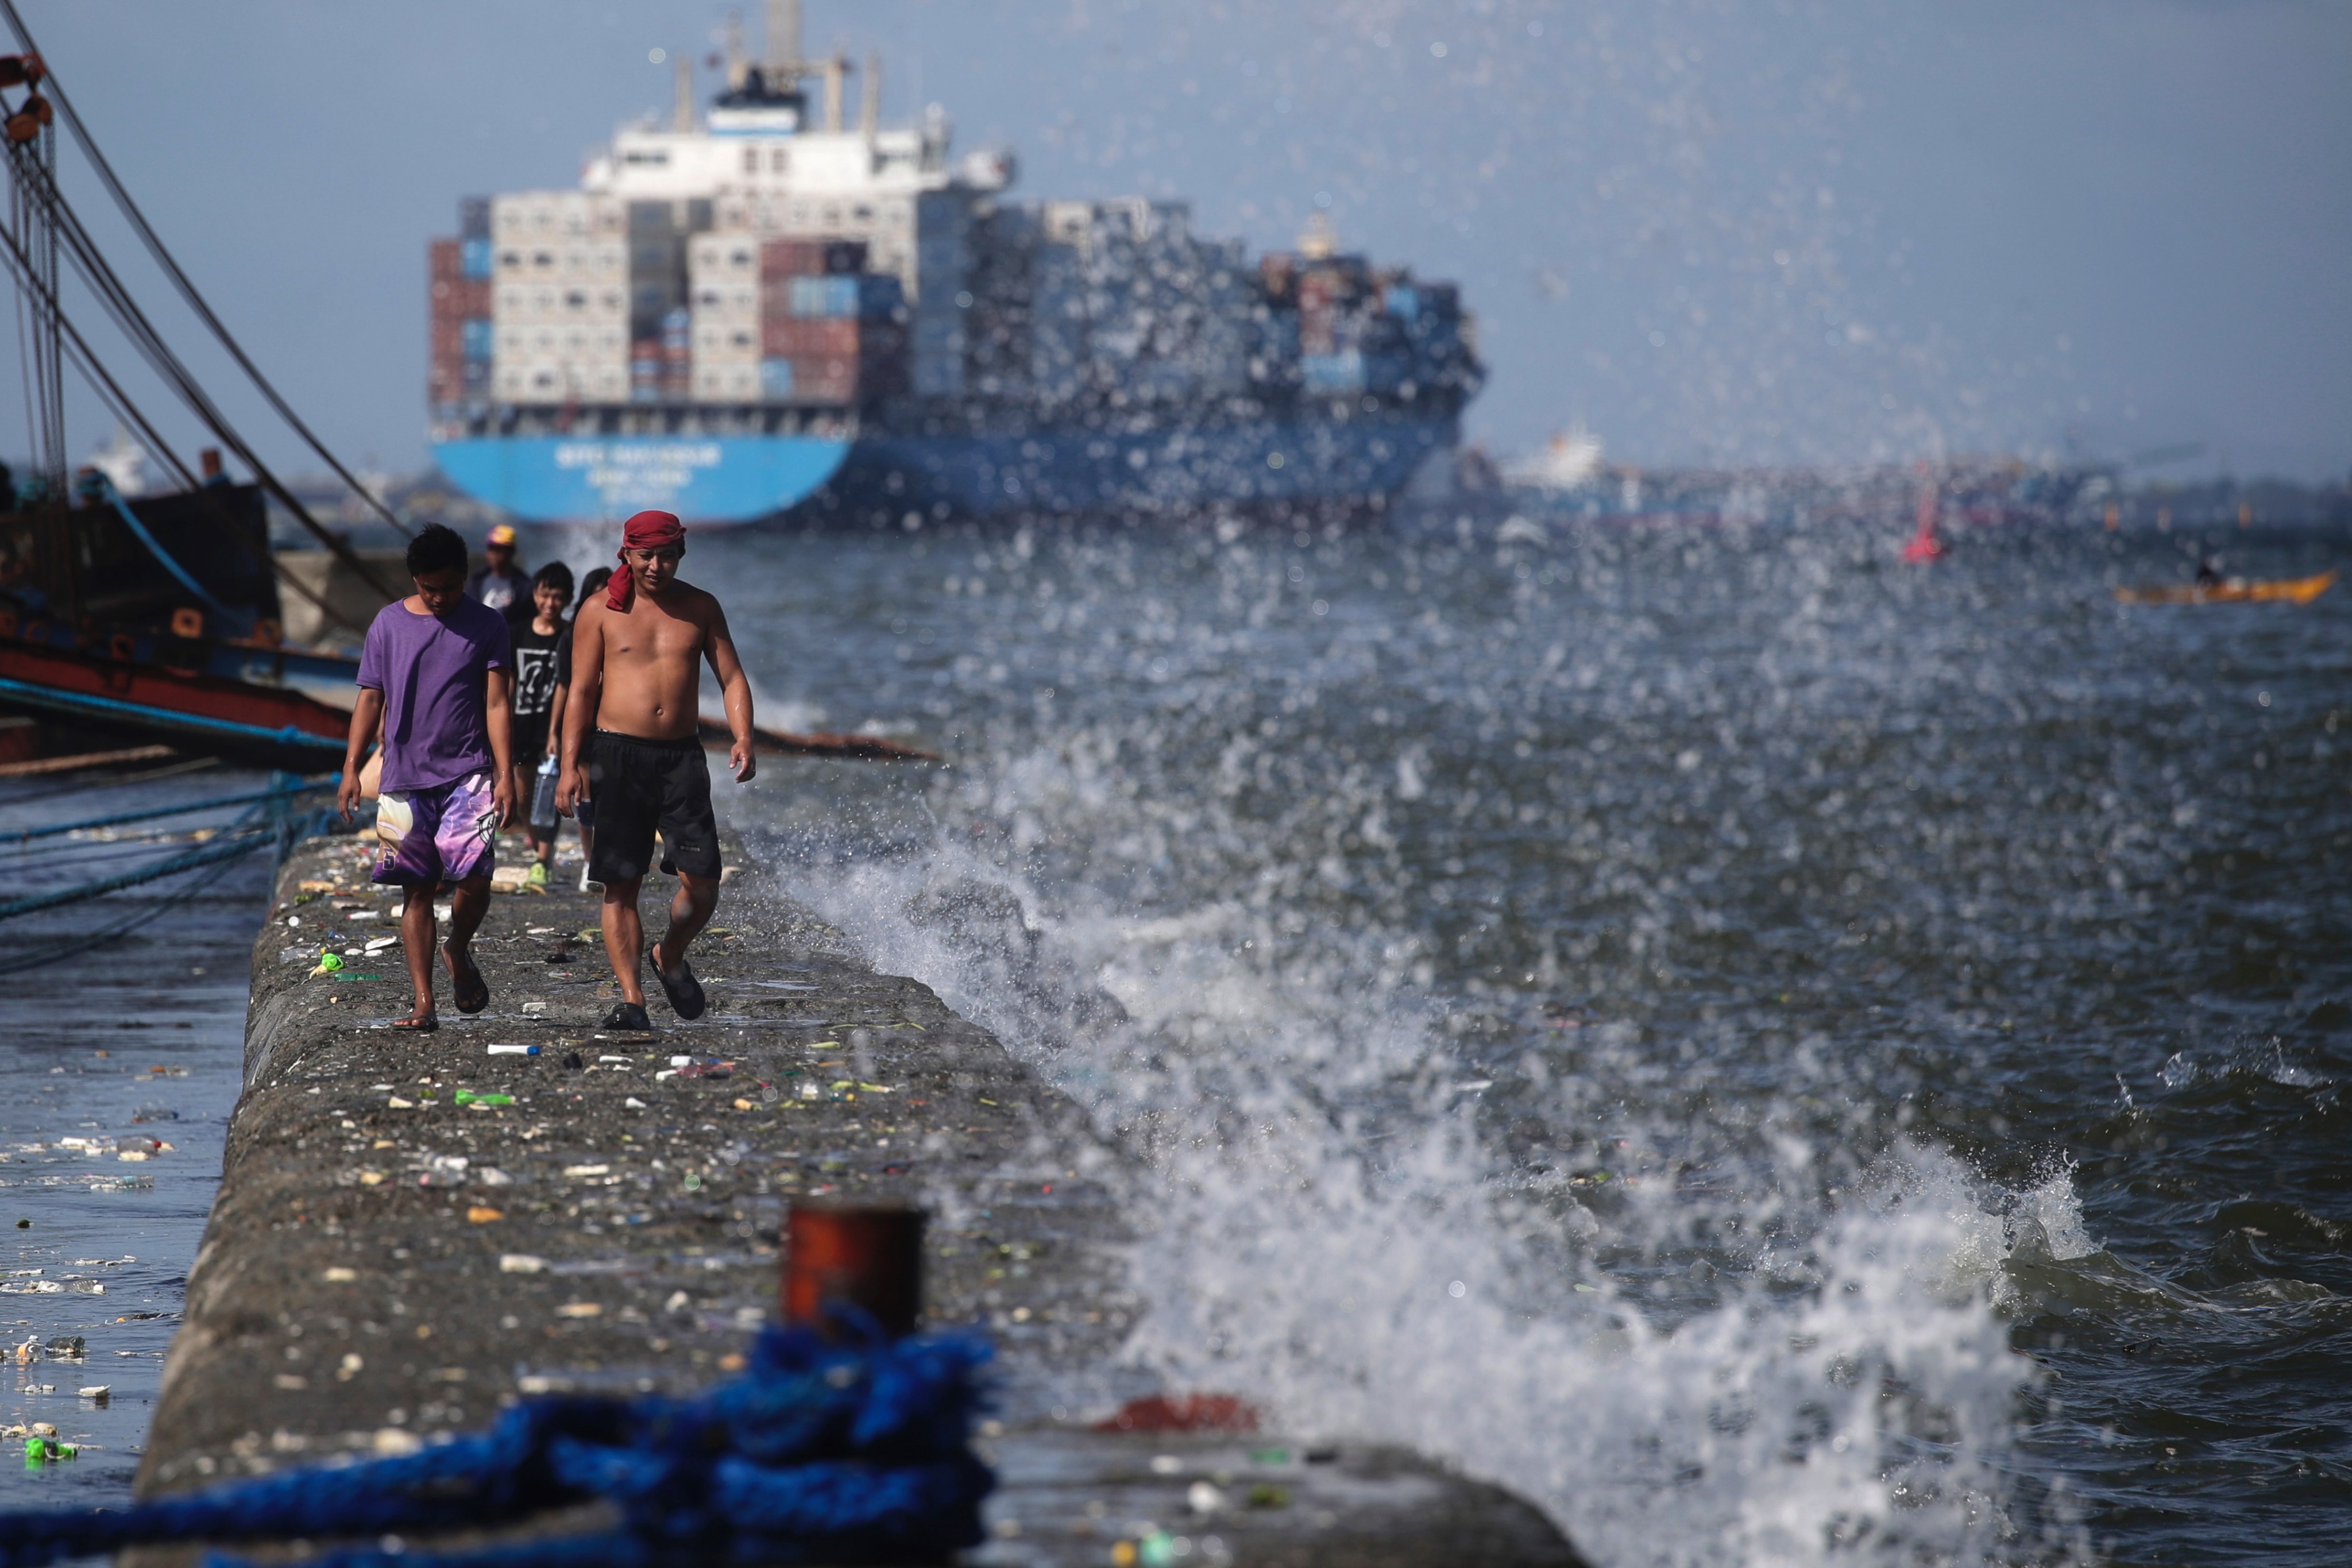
(2233, 591)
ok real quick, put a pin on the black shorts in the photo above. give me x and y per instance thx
(639, 786)
(530, 741)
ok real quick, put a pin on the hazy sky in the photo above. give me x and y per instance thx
(1713, 232)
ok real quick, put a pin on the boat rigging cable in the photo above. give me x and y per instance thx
(133, 323)
(109, 392)
(180, 280)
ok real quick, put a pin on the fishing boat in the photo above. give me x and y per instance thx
(152, 617)
(2232, 590)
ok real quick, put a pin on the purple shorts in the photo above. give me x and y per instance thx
(429, 836)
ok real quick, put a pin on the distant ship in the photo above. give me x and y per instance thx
(1569, 461)
(730, 316)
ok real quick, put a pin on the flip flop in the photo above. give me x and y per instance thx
(424, 1026)
(684, 993)
(629, 1017)
(468, 989)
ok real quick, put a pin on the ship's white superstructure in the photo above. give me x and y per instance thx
(669, 219)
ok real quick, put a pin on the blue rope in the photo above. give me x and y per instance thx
(43, 957)
(815, 1453)
(243, 842)
(276, 792)
(239, 620)
(267, 822)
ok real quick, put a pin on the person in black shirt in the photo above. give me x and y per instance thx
(584, 812)
(535, 682)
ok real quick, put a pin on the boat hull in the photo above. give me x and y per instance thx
(1158, 467)
(2283, 591)
(1246, 463)
(705, 479)
(215, 714)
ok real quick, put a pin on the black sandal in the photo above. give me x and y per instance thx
(468, 989)
(629, 1017)
(684, 993)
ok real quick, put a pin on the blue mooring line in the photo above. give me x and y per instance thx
(249, 837)
(240, 622)
(24, 835)
(814, 1453)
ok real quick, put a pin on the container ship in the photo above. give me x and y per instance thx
(738, 312)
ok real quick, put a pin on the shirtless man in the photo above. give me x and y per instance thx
(636, 656)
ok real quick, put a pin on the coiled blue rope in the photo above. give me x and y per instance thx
(814, 1453)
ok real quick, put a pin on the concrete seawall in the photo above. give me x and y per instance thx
(411, 1231)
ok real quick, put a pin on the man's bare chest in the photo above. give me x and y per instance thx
(653, 641)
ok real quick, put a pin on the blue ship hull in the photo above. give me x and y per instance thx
(591, 479)
(722, 480)
(1246, 463)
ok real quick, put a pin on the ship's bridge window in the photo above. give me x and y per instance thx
(655, 158)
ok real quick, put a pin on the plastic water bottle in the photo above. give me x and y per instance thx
(543, 798)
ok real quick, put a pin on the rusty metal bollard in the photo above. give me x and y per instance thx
(869, 1258)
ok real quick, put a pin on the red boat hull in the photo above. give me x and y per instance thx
(270, 726)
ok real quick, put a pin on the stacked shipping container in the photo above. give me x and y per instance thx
(1079, 302)
(576, 298)
(569, 298)
(723, 282)
(830, 332)
(460, 309)
(1351, 330)
(560, 275)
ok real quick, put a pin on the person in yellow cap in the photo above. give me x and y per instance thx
(501, 584)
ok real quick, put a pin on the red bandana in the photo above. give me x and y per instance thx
(647, 531)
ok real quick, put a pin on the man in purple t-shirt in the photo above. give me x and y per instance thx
(437, 673)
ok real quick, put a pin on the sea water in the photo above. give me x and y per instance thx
(1777, 1055)
(133, 1049)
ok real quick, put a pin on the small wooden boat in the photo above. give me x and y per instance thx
(134, 691)
(820, 744)
(2233, 591)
